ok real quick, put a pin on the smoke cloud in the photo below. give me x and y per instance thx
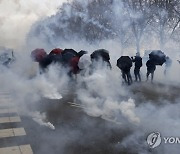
(104, 115)
(17, 17)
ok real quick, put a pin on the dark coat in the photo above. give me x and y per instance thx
(151, 65)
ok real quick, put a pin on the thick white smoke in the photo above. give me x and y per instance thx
(17, 17)
(102, 96)
(27, 87)
(139, 109)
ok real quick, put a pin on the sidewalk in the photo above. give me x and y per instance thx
(10, 128)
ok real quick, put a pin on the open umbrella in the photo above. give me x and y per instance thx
(71, 58)
(124, 62)
(38, 54)
(82, 52)
(158, 57)
(101, 53)
(56, 51)
(72, 51)
(68, 54)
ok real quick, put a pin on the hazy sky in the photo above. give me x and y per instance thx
(17, 16)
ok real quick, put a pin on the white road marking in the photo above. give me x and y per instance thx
(12, 132)
(22, 149)
(6, 107)
(11, 110)
(26, 149)
(10, 119)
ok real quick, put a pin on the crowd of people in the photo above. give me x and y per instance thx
(70, 58)
(156, 57)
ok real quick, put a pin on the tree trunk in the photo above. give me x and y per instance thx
(138, 46)
(161, 33)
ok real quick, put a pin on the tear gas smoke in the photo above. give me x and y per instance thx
(40, 118)
(139, 109)
(19, 16)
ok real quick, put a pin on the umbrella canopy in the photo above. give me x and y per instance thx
(45, 62)
(101, 53)
(158, 57)
(38, 54)
(71, 59)
(82, 52)
(50, 59)
(72, 51)
(56, 51)
(124, 62)
(68, 54)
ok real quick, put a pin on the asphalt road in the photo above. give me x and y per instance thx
(76, 132)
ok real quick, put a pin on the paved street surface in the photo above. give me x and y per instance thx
(11, 129)
(75, 132)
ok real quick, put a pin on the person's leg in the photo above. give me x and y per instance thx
(139, 76)
(129, 78)
(152, 76)
(135, 74)
(124, 76)
(147, 75)
(165, 71)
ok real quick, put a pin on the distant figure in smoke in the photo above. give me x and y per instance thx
(138, 64)
(151, 67)
(125, 63)
(168, 64)
(156, 57)
(6, 59)
(7, 62)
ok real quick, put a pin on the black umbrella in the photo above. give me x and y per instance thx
(68, 54)
(158, 57)
(45, 62)
(124, 62)
(81, 53)
(101, 53)
(72, 51)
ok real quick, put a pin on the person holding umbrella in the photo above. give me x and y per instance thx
(156, 57)
(124, 63)
(101, 55)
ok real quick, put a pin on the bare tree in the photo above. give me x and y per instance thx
(140, 16)
(166, 18)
